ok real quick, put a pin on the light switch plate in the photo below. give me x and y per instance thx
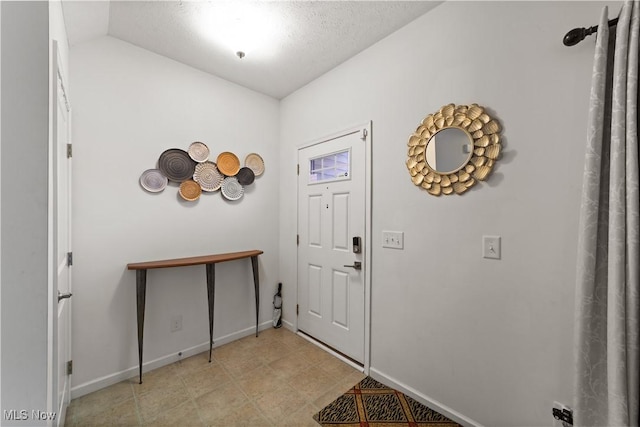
(393, 239)
(491, 247)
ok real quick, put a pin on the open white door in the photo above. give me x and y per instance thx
(60, 189)
(332, 236)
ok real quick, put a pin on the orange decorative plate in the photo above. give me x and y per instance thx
(228, 163)
(190, 190)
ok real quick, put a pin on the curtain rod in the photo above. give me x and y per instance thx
(576, 35)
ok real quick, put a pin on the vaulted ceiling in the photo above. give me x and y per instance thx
(287, 43)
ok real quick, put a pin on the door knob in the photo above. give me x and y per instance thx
(63, 296)
(356, 264)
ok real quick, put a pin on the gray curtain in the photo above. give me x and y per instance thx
(607, 298)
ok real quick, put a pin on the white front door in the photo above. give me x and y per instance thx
(331, 264)
(60, 329)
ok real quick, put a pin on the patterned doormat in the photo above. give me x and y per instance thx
(373, 404)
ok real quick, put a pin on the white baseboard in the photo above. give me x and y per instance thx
(290, 326)
(425, 400)
(106, 381)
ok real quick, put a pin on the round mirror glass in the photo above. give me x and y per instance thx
(449, 150)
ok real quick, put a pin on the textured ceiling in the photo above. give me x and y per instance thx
(293, 42)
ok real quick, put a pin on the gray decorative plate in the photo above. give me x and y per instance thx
(153, 180)
(231, 188)
(176, 165)
(208, 176)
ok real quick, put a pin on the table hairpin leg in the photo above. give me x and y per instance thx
(211, 288)
(256, 283)
(141, 291)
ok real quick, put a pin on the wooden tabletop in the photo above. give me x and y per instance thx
(196, 260)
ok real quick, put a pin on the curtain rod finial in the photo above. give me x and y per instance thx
(574, 36)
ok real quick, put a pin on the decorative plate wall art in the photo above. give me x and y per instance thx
(190, 190)
(245, 176)
(453, 148)
(176, 165)
(231, 188)
(208, 176)
(199, 151)
(228, 163)
(195, 173)
(153, 180)
(255, 163)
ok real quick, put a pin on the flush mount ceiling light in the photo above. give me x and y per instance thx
(243, 27)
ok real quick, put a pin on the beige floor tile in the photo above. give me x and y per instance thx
(121, 414)
(316, 355)
(158, 378)
(276, 379)
(156, 401)
(95, 402)
(280, 403)
(271, 333)
(329, 396)
(301, 418)
(295, 342)
(217, 404)
(230, 351)
(244, 416)
(70, 415)
(193, 363)
(336, 368)
(259, 381)
(272, 352)
(240, 366)
(205, 380)
(290, 365)
(251, 341)
(185, 414)
(312, 383)
(350, 380)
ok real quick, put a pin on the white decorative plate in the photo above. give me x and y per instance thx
(208, 176)
(231, 188)
(199, 152)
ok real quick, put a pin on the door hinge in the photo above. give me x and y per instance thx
(298, 169)
(364, 134)
(297, 309)
(69, 151)
(70, 367)
(298, 239)
(69, 259)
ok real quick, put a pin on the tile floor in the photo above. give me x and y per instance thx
(277, 379)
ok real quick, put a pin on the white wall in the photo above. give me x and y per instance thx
(489, 339)
(129, 105)
(24, 193)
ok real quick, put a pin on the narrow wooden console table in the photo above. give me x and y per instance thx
(209, 261)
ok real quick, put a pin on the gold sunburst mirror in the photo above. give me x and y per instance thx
(453, 148)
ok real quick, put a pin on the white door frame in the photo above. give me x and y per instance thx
(367, 241)
(57, 72)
